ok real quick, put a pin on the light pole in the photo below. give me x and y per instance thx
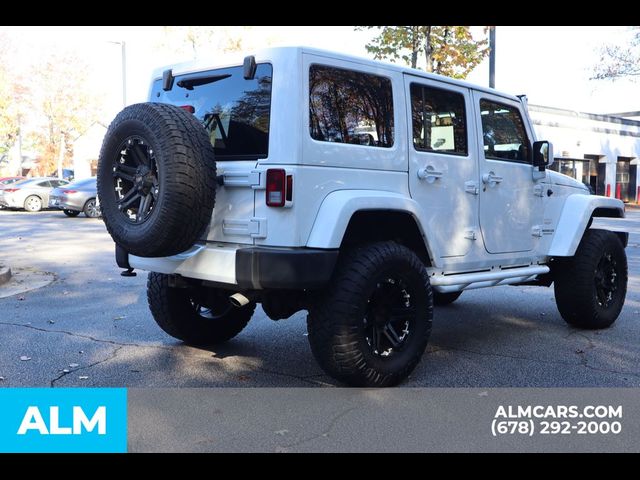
(123, 44)
(492, 57)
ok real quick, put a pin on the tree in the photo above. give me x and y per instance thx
(65, 108)
(447, 50)
(8, 112)
(618, 61)
(192, 41)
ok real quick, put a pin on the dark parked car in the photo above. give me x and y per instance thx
(76, 197)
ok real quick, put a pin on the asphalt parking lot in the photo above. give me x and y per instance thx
(92, 327)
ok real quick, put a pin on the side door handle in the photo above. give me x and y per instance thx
(429, 173)
(491, 179)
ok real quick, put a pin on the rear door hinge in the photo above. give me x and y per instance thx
(258, 227)
(471, 187)
(470, 234)
(242, 178)
(538, 190)
(536, 231)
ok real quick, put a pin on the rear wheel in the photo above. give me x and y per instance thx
(71, 213)
(371, 326)
(591, 286)
(441, 299)
(199, 316)
(33, 203)
(91, 209)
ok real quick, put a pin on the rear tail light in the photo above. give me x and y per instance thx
(188, 108)
(10, 190)
(69, 192)
(276, 187)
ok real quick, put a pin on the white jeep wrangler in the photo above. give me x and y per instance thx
(362, 192)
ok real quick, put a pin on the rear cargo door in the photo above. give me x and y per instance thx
(236, 114)
(233, 215)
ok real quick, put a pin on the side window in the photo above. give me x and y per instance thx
(503, 132)
(45, 184)
(438, 118)
(350, 107)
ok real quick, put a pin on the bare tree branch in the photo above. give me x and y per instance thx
(619, 61)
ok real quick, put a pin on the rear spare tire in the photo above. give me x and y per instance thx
(156, 179)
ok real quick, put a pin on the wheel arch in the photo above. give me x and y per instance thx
(347, 217)
(576, 217)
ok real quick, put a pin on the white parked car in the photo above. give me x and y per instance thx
(362, 192)
(31, 194)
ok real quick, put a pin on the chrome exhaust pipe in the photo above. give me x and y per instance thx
(238, 300)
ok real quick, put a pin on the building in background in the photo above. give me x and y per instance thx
(601, 151)
(86, 149)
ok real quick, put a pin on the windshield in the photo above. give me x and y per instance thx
(234, 111)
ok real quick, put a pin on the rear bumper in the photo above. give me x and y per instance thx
(9, 202)
(246, 268)
(286, 268)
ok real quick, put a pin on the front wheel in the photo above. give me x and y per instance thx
(195, 315)
(591, 286)
(372, 324)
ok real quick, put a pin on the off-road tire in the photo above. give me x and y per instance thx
(337, 317)
(442, 299)
(175, 312)
(579, 283)
(167, 156)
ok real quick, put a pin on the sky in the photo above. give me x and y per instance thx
(550, 64)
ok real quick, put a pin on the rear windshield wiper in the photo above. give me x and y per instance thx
(198, 80)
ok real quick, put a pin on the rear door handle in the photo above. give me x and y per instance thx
(429, 173)
(491, 179)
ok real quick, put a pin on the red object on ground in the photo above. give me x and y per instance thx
(608, 192)
(618, 196)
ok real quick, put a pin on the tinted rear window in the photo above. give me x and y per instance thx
(234, 111)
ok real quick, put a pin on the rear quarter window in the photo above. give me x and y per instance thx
(347, 106)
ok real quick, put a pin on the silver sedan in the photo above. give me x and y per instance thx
(31, 194)
(79, 196)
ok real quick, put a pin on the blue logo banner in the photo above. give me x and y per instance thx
(63, 420)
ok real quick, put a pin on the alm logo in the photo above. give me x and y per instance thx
(61, 420)
(33, 421)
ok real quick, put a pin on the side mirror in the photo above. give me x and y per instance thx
(542, 154)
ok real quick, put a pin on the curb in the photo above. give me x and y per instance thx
(5, 275)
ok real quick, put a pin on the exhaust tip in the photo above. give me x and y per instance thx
(238, 300)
